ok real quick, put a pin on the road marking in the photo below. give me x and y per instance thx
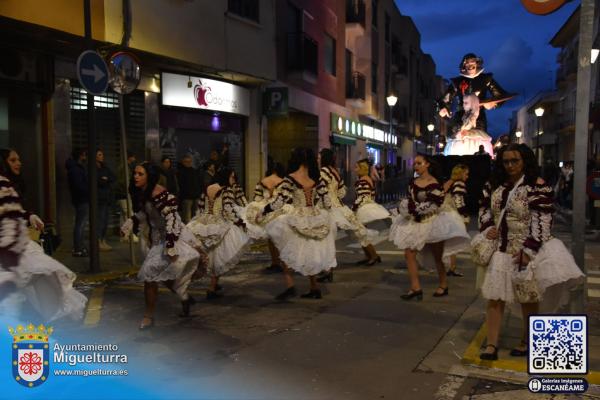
(449, 389)
(94, 307)
(471, 357)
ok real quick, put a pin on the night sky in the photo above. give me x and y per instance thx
(513, 44)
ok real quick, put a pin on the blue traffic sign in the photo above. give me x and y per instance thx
(92, 72)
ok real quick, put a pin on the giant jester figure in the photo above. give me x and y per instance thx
(474, 89)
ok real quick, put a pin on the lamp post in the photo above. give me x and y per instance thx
(391, 101)
(430, 128)
(538, 113)
(518, 136)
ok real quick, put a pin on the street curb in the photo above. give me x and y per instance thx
(105, 277)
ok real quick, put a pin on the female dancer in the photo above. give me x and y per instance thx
(366, 209)
(421, 223)
(219, 228)
(518, 214)
(343, 217)
(170, 257)
(263, 192)
(302, 231)
(46, 283)
(456, 190)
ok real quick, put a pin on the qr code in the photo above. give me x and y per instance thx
(558, 344)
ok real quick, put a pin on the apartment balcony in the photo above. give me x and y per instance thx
(302, 55)
(355, 89)
(356, 12)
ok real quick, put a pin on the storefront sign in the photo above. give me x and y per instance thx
(348, 127)
(203, 93)
(275, 101)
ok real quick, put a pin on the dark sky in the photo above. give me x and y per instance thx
(513, 43)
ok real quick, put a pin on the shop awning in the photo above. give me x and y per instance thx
(340, 139)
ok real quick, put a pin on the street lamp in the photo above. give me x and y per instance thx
(518, 136)
(391, 101)
(538, 113)
(430, 128)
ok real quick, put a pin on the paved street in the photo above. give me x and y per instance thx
(360, 342)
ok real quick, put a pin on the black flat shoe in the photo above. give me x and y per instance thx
(452, 272)
(289, 292)
(412, 294)
(147, 325)
(519, 352)
(185, 306)
(442, 294)
(489, 356)
(374, 261)
(212, 295)
(313, 294)
(326, 278)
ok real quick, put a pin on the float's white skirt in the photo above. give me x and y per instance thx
(554, 270)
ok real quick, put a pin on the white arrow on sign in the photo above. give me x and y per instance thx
(97, 73)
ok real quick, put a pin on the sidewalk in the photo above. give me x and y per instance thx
(114, 264)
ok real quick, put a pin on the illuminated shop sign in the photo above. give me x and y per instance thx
(203, 93)
(348, 127)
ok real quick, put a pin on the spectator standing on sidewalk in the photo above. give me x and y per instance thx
(189, 187)
(168, 178)
(121, 190)
(106, 179)
(78, 186)
(208, 175)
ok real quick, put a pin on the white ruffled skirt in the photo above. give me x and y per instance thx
(224, 242)
(248, 215)
(305, 239)
(47, 285)
(346, 220)
(554, 269)
(447, 227)
(158, 267)
(370, 212)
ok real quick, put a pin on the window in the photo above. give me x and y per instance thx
(245, 8)
(374, 13)
(329, 54)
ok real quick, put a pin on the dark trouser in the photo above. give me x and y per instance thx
(81, 216)
(102, 221)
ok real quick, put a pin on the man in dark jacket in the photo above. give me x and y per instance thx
(106, 178)
(189, 187)
(78, 186)
(168, 179)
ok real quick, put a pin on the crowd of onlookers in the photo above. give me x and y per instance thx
(182, 178)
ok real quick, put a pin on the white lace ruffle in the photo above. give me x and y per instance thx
(227, 254)
(248, 215)
(554, 268)
(48, 285)
(346, 220)
(209, 230)
(307, 256)
(158, 267)
(445, 227)
(371, 212)
(310, 222)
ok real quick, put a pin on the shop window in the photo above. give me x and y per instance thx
(330, 63)
(79, 100)
(248, 9)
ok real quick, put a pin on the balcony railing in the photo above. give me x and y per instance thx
(355, 86)
(355, 12)
(302, 53)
